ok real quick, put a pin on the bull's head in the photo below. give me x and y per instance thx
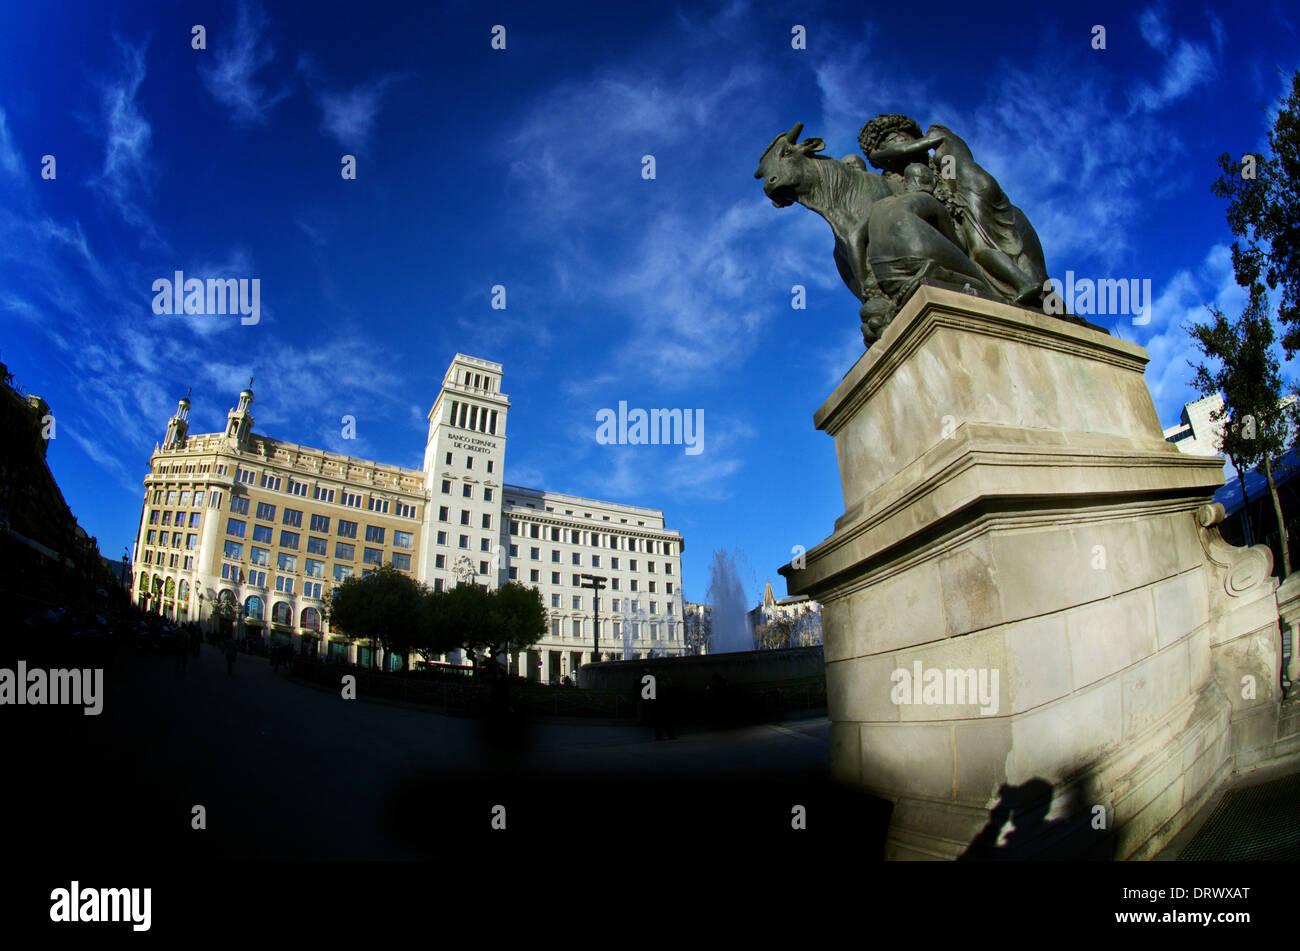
(785, 167)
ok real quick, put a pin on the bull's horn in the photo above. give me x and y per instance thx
(793, 135)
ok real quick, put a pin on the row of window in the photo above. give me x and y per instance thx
(534, 577)
(322, 494)
(234, 551)
(466, 491)
(469, 464)
(614, 628)
(375, 534)
(572, 536)
(469, 416)
(172, 561)
(195, 517)
(534, 554)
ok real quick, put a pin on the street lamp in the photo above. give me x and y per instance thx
(597, 584)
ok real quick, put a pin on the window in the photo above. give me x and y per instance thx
(229, 572)
(271, 482)
(595, 561)
(487, 520)
(354, 501)
(235, 527)
(652, 587)
(533, 531)
(577, 581)
(313, 568)
(442, 513)
(437, 584)
(153, 517)
(320, 523)
(191, 541)
(534, 576)
(613, 583)
(467, 491)
(293, 517)
(287, 563)
(555, 577)
(555, 534)
(401, 562)
(484, 545)
(535, 554)
(344, 552)
(342, 572)
(555, 555)
(615, 602)
(514, 573)
(263, 533)
(257, 579)
(317, 546)
(577, 602)
(482, 567)
(442, 538)
(246, 476)
(440, 561)
(347, 529)
(651, 566)
(577, 628)
(469, 462)
(555, 600)
(239, 504)
(259, 556)
(405, 511)
(375, 533)
(310, 590)
(297, 488)
(489, 467)
(633, 584)
(446, 487)
(379, 505)
(464, 541)
(464, 516)
(324, 495)
(448, 458)
(487, 495)
(668, 586)
(403, 540)
(194, 519)
(198, 499)
(152, 537)
(234, 551)
(577, 559)
(654, 606)
(514, 527)
(289, 540)
(373, 556)
(283, 584)
(632, 564)
(167, 518)
(265, 511)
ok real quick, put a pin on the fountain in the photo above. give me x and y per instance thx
(730, 624)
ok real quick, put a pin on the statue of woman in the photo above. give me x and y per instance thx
(997, 235)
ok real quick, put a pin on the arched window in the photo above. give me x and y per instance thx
(310, 619)
(253, 608)
(169, 591)
(282, 613)
(184, 591)
(144, 582)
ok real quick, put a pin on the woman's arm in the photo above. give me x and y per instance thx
(883, 158)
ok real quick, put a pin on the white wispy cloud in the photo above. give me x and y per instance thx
(349, 115)
(239, 53)
(128, 170)
(1186, 64)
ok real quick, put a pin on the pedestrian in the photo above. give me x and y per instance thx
(230, 655)
(182, 650)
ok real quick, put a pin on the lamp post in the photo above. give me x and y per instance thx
(597, 584)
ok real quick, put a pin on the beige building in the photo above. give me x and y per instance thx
(248, 533)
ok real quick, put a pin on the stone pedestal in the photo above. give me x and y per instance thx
(1014, 520)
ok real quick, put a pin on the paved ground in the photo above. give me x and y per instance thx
(287, 771)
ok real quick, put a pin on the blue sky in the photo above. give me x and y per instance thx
(523, 168)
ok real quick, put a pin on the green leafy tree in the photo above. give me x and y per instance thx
(1263, 193)
(1255, 427)
(384, 607)
(519, 619)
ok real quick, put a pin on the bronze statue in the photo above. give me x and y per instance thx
(937, 219)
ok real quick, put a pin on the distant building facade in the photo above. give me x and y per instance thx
(250, 533)
(788, 622)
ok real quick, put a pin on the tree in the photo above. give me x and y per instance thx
(1255, 427)
(384, 607)
(1264, 214)
(520, 619)
(781, 631)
